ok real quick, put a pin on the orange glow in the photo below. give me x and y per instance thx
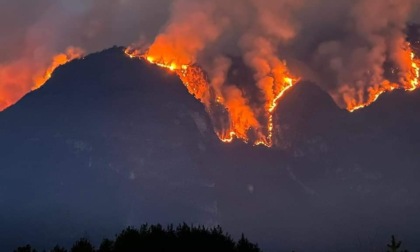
(242, 116)
(58, 60)
(373, 95)
(285, 85)
(415, 72)
(274, 81)
(227, 138)
(409, 81)
(25, 74)
(192, 76)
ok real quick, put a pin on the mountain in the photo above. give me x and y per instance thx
(101, 144)
(111, 141)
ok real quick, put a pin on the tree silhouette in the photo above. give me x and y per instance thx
(246, 246)
(82, 245)
(395, 245)
(129, 240)
(26, 248)
(185, 238)
(58, 249)
(156, 238)
(106, 246)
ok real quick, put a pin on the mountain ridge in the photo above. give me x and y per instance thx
(96, 145)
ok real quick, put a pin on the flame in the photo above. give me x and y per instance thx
(227, 138)
(373, 94)
(287, 83)
(242, 118)
(415, 71)
(408, 82)
(192, 76)
(274, 82)
(58, 60)
(25, 74)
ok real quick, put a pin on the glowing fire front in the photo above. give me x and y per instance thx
(192, 76)
(26, 74)
(242, 118)
(408, 82)
(58, 60)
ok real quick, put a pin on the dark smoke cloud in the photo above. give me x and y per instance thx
(32, 32)
(350, 42)
(91, 24)
(331, 42)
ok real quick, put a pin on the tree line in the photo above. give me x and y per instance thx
(156, 238)
(185, 238)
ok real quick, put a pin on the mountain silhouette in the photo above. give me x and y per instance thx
(111, 141)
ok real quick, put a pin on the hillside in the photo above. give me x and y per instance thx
(117, 141)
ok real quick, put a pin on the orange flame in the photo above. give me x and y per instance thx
(58, 60)
(242, 117)
(192, 76)
(373, 95)
(409, 82)
(227, 138)
(415, 73)
(24, 75)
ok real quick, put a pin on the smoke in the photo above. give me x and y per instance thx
(351, 59)
(204, 33)
(347, 47)
(37, 33)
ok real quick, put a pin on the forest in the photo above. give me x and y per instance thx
(156, 238)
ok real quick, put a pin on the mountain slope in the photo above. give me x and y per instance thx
(102, 142)
(110, 141)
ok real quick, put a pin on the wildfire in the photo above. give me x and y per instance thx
(409, 82)
(241, 120)
(415, 71)
(227, 138)
(274, 85)
(373, 95)
(287, 83)
(26, 74)
(192, 76)
(58, 60)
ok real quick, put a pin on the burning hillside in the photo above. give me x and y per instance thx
(355, 64)
(23, 76)
(242, 118)
(186, 47)
(407, 80)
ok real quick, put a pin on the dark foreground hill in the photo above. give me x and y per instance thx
(110, 142)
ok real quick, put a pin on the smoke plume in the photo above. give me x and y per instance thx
(37, 34)
(354, 49)
(351, 59)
